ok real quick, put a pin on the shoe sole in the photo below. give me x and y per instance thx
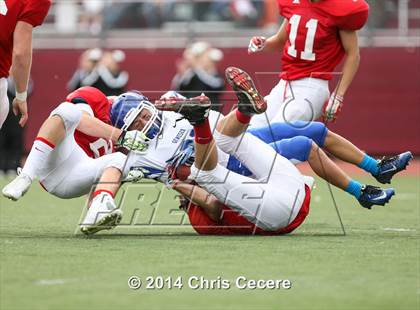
(245, 89)
(108, 222)
(177, 105)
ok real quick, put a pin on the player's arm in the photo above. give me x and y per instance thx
(22, 60)
(208, 202)
(129, 140)
(96, 128)
(274, 43)
(350, 44)
(349, 40)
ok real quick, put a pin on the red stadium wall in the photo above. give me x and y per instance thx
(381, 112)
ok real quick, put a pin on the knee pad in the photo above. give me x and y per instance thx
(296, 149)
(69, 114)
(316, 131)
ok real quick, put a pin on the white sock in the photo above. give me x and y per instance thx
(37, 158)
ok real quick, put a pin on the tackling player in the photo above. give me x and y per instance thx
(315, 37)
(17, 20)
(73, 148)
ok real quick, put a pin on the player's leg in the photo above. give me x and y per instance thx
(382, 170)
(336, 145)
(102, 211)
(4, 101)
(51, 148)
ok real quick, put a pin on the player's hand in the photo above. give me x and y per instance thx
(256, 45)
(21, 108)
(134, 141)
(333, 107)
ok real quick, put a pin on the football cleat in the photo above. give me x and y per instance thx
(102, 214)
(372, 195)
(195, 110)
(18, 187)
(389, 166)
(250, 100)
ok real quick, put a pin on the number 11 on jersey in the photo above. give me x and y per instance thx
(311, 25)
(3, 7)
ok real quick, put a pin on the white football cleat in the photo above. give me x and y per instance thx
(102, 214)
(18, 187)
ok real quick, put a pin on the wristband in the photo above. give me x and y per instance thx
(22, 96)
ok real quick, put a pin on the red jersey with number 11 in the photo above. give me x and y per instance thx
(314, 48)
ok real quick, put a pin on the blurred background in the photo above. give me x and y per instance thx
(185, 45)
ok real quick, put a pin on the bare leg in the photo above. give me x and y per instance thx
(110, 181)
(324, 167)
(343, 149)
(53, 130)
(231, 126)
(206, 156)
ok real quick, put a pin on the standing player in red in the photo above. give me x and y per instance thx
(315, 37)
(17, 20)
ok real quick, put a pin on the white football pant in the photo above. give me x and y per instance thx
(69, 171)
(273, 199)
(290, 101)
(4, 101)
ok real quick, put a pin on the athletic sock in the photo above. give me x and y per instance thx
(101, 191)
(369, 164)
(354, 188)
(243, 118)
(37, 157)
(202, 133)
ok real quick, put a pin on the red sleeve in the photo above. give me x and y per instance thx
(354, 21)
(34, 12)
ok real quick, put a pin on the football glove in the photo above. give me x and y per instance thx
(134, 141)
(134, 175)
(333, 107)
(256, 44)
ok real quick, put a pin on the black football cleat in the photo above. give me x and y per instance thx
(389, 166)
(372, 195)
(195, 110)
(250, 100)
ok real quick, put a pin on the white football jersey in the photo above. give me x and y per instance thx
(176, 134)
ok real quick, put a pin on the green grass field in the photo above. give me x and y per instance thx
(44, 265)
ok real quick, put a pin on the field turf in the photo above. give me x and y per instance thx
(45, 265)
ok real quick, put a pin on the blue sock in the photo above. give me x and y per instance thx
(354, 188)
(370, 165)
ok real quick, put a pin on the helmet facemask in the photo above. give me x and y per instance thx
(152, 128)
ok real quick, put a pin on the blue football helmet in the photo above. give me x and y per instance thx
(128, 106)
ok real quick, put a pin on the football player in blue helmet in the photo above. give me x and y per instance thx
(132, 110)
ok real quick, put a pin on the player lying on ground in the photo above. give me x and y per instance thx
(73, 148)
(169, 145)
(314, 38)
(275, 201)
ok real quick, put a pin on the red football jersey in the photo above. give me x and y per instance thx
(11, 12)
(314, 48)
(94, 147)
